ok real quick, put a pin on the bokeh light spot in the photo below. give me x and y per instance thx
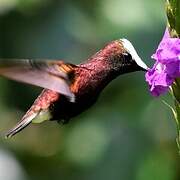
(86, 143)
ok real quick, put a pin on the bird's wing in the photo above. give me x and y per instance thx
(50, 74)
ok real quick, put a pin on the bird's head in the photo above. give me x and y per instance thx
(123, 57)
(131, 55)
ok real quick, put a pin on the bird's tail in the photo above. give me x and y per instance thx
(30, 116)
(26, 120)
(38, 112)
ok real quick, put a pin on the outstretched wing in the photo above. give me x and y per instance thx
(53, 75)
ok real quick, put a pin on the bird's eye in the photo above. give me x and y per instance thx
(127, 56)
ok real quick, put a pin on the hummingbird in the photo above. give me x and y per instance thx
(70, 89)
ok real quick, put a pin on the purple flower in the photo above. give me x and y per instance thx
(166, 67)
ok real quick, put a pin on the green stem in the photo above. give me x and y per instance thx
(173, 16)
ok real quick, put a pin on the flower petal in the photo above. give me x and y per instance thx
(167, 66)
(158, 80)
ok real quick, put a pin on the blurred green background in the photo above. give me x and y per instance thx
(127, 135)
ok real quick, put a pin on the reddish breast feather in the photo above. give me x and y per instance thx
(45, 99)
